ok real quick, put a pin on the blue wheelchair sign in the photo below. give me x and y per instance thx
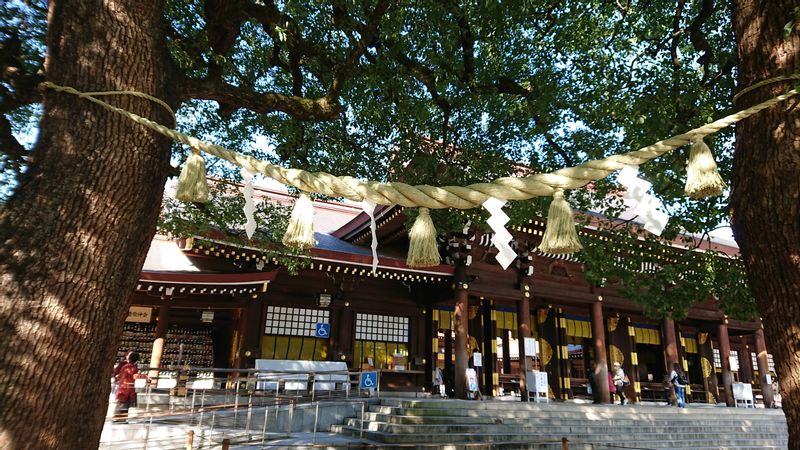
(323, 330)
(369, 380)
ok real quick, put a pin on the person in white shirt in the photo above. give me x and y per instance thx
(678, 382)
(619, 382)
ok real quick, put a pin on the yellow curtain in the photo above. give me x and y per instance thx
(650, 336)
(691, 345)
(579, 328)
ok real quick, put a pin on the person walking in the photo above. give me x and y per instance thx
(126, 376)
(611, 387)
(619, 382)
(667, 389)
(591, 386)
(679, 382)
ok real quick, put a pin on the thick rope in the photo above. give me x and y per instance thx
(89, 95)
(794, 76)
(438, 197)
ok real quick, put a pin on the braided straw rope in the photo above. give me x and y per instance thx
(438, 197)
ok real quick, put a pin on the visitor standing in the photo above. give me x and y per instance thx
(125, 376)
(679, 382)
(611, 387)
(619, 382)
(591, 386)
(667, 389)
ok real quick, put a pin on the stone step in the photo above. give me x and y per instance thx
(549, 420)
(569, 407)
(595, 432)
(527, 427)
(690, 441)
(467, 424)
(623, 412)
(472, 404)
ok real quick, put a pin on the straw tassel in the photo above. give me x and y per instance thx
(192, 184)
(702, 177)
(422, 248)
(300, 232)
(560, 236)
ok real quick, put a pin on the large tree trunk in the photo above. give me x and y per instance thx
(74, 236)
(766, 188)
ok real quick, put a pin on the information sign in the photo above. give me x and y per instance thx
(369, 380)
(323, 330)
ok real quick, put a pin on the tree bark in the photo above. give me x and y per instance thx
(74, 236)
(766, 187)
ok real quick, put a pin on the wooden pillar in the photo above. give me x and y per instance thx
(449, 368)
(523, 331)
(670, 350)
(162, 327)
(345, 336)
(491, 380)
(429, 352)
(707, 366)
(724, 354)
(564, 387)
(461, 319)
(334, 347)
(251, 331)
(746, 369)
(506, 351)
(600, 391)
(763, 367)
(670, 343)
(635, 389)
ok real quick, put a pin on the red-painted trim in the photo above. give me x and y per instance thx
(208, 278)
(384, 263)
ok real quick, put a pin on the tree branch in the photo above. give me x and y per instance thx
(423, 74)
(467, 39)
(698, 39)
(557, 148)
(369, 36)
(223, 23)
(23, 83)
(12, 153)
(261, 102)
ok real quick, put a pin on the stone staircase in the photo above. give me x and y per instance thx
(453, 424)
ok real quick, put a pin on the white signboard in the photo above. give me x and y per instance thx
(769, 378)
(734, 361)
(536, 383)
(472, 380)
(531, 347)
(477, 360)
(141, 314)
(166, 383)
(203, 383)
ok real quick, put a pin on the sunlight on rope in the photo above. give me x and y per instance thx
(438, 197)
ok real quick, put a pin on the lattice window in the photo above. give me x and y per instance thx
(374, 327)
(285, 321)
(717, 359)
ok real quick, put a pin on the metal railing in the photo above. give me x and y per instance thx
(240, 405)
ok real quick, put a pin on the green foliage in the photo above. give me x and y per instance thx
(222, 220)
(453, 93)
(666, 280)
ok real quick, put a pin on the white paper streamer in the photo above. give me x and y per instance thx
(644, 205)
(655, 220)
(506, 255)
(249, 206)
(369, 208)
